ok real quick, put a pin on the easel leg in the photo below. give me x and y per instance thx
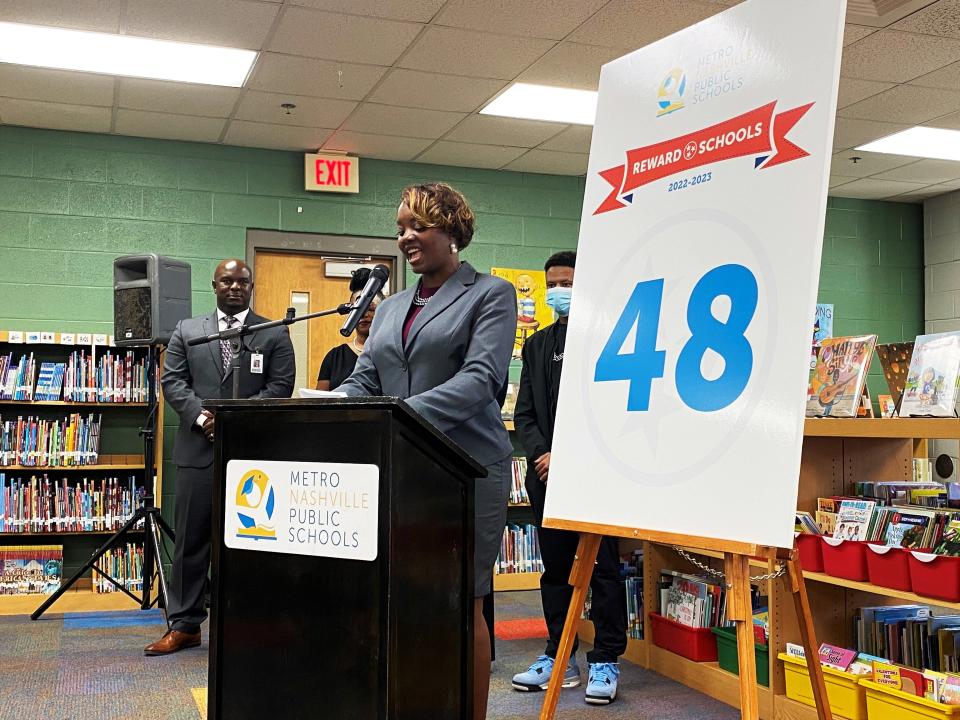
(740, 611)
(810, 646)
(580, 579)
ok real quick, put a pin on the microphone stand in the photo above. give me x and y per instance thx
(236, 335)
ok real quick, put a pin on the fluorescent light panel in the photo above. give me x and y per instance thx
(926, 142)
(542, 102)
(108, 54)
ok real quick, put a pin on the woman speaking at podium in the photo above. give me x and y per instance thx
(444, 346)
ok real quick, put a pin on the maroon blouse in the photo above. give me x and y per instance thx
(415, 310)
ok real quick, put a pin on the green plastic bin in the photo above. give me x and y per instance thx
(730, 661)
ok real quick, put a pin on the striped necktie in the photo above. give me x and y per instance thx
(229, 321)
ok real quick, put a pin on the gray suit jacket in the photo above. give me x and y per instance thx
(455, 362)
(194, 374)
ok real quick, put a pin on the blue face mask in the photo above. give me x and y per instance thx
(559, 299)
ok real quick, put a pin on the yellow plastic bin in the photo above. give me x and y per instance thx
(886, 703)
(844, 691)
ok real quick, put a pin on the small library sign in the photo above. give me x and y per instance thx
(331, 173)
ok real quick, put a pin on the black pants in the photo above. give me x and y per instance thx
(191, 553)
(608, 609)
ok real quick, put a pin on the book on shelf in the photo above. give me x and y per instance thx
(931, 386)
(839, 376)
(853, 519)
(805, 523)
(41, 505)
(895, 364)
(125, 565)
(17, 377)
(519, 550)
(50, 381)
(835, 657)
(27, 569)
(509, 401)
(888, 408)
(822, 323)
(696, 600)
(36, 442)
(631, 570)
(518, 486)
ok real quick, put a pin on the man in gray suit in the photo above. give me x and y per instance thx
(190, 376)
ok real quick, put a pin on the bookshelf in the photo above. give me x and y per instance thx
(119, 441)
(836, 452)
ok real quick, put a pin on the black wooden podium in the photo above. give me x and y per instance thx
(294, 637)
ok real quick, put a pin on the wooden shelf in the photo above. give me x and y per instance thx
(636, 651)
(878, 590)
(74, 533)
(72, 601)
(930, 428)
(50, 468)
(754, 562)
(519, 505)
(65, 403)
(516, 581)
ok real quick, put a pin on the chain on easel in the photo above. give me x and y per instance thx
(778, 573)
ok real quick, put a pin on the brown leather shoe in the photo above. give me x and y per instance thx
(172, 641)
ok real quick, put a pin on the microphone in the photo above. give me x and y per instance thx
(378, 276)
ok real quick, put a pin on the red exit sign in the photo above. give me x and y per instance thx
(331, 172)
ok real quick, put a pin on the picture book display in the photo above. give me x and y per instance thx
(931, 386)
(895, 363)
(533, 313)
(822, 323)
(839, 376)
(27, 569)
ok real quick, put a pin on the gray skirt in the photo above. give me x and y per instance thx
(490, 511)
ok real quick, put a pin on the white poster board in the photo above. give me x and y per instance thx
(685, 370)
(302, 508)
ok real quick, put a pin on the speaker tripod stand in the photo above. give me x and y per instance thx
(154, 526)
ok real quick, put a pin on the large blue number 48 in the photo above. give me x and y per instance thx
(727, 339)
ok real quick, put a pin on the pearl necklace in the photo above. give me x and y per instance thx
(419, 301)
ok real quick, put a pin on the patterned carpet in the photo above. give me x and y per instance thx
(90, 666)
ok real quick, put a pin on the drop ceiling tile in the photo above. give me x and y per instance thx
(177, 98)
(464, 52)
(553, 163)
(918, 196)
(849, 132)
(870, 189)
(926, 171)
(413, 10)
(334, 36)
(853, 91)
(275, 137)
(852, 33)
(838, 180)
(491, 130)
(168, 126)
(98, 15)
(905, 104)
(894, 56)
(947, 78)
(310, 112)
(404, 121)
(635, 23)
(56, 116)
(435, 92)
(949, 122)
(470, 155)
(233, 23)
(376, 146)
(869, 163)
(316, 78)
(554, 19)
(571, 65)
(575, 139)
(71, 88)
(940, 18)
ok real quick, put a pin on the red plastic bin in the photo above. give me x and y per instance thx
(845, 559)
(811, 552)
(697, 644)
(888, 566)
(936, 576)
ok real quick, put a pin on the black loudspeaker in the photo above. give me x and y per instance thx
(151, 294)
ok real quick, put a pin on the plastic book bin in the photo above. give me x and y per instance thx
(845, 559)
(695, 644)
(844, 692)
(888, 566)
(886, 703)
(936, 576)
(729, 659)
(810, 549)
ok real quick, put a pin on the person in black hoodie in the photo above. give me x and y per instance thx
(534, 417)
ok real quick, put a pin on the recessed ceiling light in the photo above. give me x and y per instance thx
(543, 102)
(109, 54)
(926, 142)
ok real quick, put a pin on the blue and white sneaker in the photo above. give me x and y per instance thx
(602, 683)
(537, 678)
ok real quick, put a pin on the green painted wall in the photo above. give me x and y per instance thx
(71, 202)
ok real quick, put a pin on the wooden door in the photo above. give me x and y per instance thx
(300, 281)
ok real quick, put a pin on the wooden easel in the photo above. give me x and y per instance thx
(736, 561)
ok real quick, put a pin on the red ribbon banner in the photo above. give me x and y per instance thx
(757, 132)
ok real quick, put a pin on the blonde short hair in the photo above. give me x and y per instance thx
(437, 205)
